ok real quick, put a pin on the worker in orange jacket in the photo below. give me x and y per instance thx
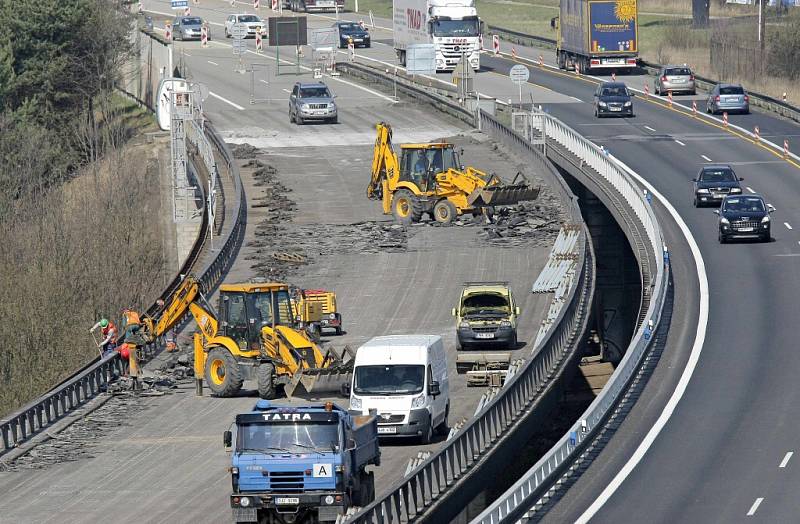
(109, 332)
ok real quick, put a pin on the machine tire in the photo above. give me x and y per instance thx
(406, 208)
(266, 380)
(339, 331)
(512, 345)
(222, 373)
(444, 212)
(444, 428)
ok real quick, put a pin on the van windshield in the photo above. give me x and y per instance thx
(396, 379)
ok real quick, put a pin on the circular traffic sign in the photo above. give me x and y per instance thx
(519, 74)
(238, 31)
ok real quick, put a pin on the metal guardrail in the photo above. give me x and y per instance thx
(90, 380)
(537, 481)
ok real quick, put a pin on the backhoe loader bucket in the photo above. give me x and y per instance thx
(502, 195)
(337, 370)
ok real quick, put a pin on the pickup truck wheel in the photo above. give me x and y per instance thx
(339, 331)
(266, 381)
(406, 208)
(222, 372)
(512, 344)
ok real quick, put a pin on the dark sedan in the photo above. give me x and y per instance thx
(744, 216)
(715, 182)
(613, 98)
(354, 31)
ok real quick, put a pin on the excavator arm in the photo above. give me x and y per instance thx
(385, 167)
(185, 298)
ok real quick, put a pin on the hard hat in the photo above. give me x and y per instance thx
(104, 322)
(124, 352)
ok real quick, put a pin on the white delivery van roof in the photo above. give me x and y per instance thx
(396, 349)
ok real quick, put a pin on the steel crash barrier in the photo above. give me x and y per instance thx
(530, 488)
(89, 381)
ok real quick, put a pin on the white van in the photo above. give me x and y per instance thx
(404, 379)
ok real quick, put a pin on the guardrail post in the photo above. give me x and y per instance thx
(4, 429)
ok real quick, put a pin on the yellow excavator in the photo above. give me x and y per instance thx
(429, 178)
(255, 335)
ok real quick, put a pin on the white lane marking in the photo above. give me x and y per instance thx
(750, 189)
(234, 104)
(576, 99)
(286, 91)
(706, 158)
(212, 63)
(172, 15)
(263, 81)
(691, 364)
(786, 459)
(186, 54)
(650, 129)
(755, 506)
(787, 225)
(679, 142)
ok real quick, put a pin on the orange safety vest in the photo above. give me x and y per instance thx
(110, 328)
(131, 318)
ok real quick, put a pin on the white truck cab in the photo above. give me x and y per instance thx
(403, 380)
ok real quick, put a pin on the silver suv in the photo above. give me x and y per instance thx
(312, 102)
(676, 79)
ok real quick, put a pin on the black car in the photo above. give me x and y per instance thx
(744, 216)
(613, 98)
(713, 183)
(352, 30)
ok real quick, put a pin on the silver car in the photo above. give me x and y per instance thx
(253, 23)
(678, 79)
(312, 102)
(728, 98)
(187, 27)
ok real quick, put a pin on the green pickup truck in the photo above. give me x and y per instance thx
(486, 315)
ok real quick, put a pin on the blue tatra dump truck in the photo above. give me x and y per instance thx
(597, 34)
(300, 464)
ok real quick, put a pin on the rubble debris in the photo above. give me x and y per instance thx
(244, 151)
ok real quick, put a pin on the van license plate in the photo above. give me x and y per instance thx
(286, 500)
(484, 335)
(387, 429)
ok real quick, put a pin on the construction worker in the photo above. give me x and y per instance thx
(109, 332)
(130, 324)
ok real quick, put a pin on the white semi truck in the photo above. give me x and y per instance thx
(452, 26)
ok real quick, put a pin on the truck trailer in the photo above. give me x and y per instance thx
(597, 35)
(300, 464)
(452, 26)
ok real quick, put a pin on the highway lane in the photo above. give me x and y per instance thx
(165, 463)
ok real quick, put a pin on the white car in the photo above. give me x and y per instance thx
(253, 23)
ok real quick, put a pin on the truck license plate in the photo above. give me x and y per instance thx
(387, 429)
(281, 501)
(614, 61)
(484, 335)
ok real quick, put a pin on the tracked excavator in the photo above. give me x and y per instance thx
(429, 178)
(255, 335)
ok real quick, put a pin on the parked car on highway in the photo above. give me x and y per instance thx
(360, 35)
(744, 216)
(729, 98)
(678, 79)
(187, 28)
(312, 101)
(613, 98)
(307, 6)
(253, 23)
(713, 183)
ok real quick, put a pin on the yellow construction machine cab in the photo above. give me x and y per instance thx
(245, 309)
(420, 163)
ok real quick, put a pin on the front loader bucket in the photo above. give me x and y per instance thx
(336, 371)
(502, 195)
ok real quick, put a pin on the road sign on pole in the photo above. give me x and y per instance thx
(519, 74)
(179, 5)
(238, 31)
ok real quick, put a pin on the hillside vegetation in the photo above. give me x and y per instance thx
(77, 206)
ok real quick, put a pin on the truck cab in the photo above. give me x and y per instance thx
(293, 464)
(486, 314)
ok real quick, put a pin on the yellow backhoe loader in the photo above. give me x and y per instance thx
(428, 178)
(254, 336)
